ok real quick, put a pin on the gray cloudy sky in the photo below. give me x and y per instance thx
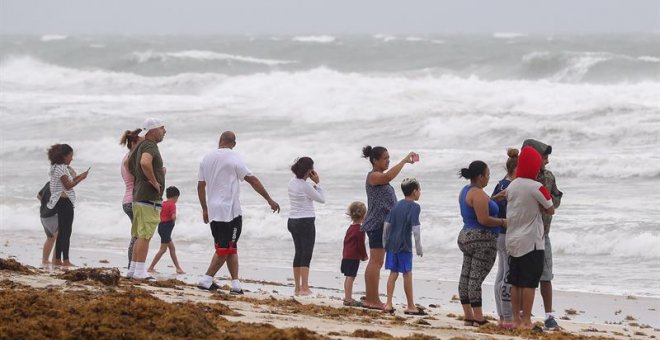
(331, 17)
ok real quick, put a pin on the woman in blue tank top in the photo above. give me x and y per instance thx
(477, 240)
(381, 198)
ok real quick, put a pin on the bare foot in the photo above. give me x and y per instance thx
(57, 262)
(305, 292)
(180, 271)
(68, 264)
(371, 305)
(151, 270)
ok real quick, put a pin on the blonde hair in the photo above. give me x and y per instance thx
(357, 211)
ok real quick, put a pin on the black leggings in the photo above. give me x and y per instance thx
(64, 209)
(304, 235)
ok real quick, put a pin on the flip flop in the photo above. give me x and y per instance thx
(537, 329)
(391, 310)
(418, 312)
(353, 303)
(480, 323)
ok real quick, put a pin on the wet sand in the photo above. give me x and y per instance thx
(99, 303)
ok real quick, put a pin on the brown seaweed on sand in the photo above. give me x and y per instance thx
(15, 266)
(106, 276)
(529, 334)
(133, 314)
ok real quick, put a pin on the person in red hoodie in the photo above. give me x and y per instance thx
(354, 251)
(527, 200)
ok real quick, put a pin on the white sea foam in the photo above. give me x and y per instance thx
(53, 37)
(508, 35)
(385, 37)
(204, 56)
(414, 39)
(649, 59)
(320, 39)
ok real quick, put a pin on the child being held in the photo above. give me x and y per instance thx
(354, 251)
(165, 227)
(401, 224)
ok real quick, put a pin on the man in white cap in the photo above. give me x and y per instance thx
(146, 164)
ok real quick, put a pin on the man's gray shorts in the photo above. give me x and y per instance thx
(547, 264)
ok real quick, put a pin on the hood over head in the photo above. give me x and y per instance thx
(529, 163)
(542, 148)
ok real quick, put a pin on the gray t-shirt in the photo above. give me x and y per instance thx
(402, 218)
(524, 223)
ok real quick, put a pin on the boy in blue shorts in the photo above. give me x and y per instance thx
(400, 225)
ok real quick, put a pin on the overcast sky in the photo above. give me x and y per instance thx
(327, 17)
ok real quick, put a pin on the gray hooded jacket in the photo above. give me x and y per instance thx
(547, 179)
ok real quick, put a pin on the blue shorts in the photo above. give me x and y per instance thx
(399, 262)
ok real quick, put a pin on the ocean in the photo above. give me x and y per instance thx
(453, 99)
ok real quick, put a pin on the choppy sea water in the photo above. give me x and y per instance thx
(453, 99)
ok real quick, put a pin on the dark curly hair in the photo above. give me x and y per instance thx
(301, 166)
(57, 153)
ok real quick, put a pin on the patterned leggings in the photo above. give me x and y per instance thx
(128, 209)
(479, 249)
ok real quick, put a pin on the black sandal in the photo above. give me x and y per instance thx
(480, 323)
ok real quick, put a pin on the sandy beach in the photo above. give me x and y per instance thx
(99, 300)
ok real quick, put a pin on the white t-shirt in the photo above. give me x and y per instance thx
(524, 232)
(56, 185)
(302, 196)
(222, 170)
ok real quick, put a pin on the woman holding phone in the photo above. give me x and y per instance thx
(63, 198)
(302, 195)
(381, 198)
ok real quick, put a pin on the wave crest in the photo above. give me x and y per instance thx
(147, 56)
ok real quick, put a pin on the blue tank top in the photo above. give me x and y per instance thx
(380, 200)
(470, 217)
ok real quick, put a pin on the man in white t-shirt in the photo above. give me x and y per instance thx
(526, 199)
(221, 171)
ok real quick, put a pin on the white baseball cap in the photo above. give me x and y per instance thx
(149, 124)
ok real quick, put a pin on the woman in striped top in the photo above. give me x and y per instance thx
(62, 198)
(131, 139)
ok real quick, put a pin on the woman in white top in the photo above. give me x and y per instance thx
(131, 139)
(302, 195)
(62, 197)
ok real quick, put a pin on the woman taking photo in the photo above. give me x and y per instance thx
(477, 240)
(62, 198)
(302, 195)
(381, 198)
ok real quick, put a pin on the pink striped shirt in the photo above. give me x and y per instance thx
(129, 181)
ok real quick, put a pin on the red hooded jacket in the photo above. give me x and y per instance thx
(529, 163)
